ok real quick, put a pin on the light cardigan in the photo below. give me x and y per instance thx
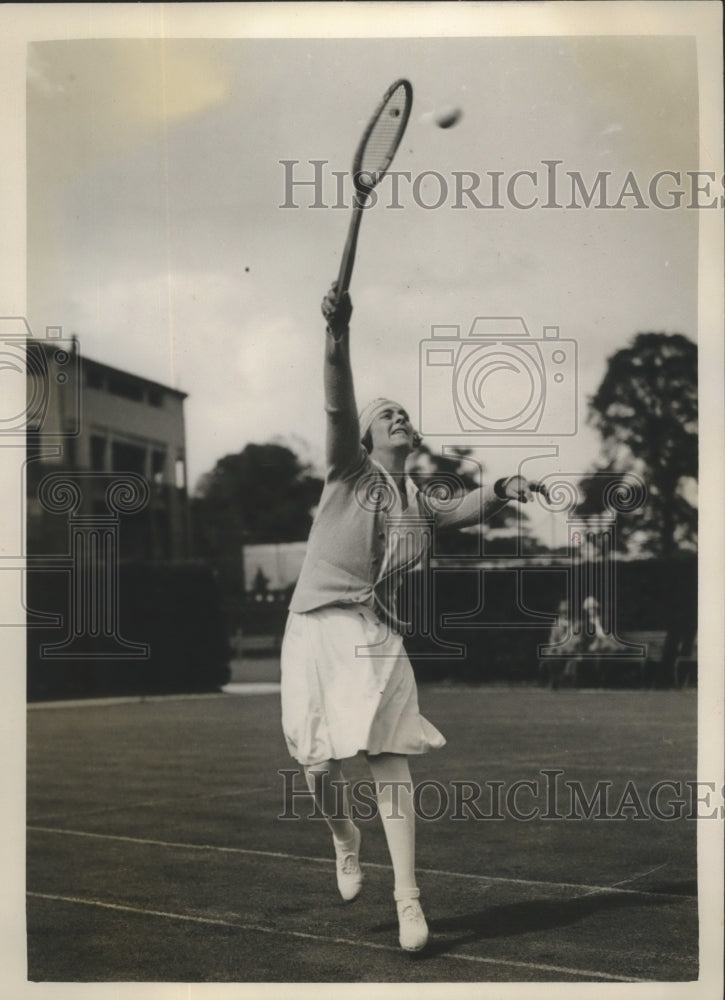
(345, 558)
(344, 561)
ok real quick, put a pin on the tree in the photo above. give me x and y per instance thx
(265, 493)
(646, 411)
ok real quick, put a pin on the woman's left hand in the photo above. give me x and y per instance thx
(518, 488)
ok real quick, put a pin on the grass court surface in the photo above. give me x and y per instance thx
(155, 852)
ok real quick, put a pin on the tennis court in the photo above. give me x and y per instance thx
(155, 851)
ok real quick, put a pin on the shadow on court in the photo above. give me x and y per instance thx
(520, 918)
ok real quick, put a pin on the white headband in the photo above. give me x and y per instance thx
(373, 409)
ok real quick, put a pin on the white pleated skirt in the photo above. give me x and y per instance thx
(347, 686)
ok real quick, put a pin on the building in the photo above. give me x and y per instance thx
(98, 428)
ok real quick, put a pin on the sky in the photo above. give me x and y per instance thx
(156, 232)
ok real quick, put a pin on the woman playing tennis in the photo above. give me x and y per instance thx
(347, 684)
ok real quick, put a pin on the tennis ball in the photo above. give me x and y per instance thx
(448, 117)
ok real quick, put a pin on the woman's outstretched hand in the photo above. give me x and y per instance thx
(337, 311)
(518, 488)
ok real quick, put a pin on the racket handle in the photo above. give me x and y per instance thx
(348, 254)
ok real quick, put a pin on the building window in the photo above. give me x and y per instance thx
(128, 458)
(180, 472)
(98, 453)
(158, 466)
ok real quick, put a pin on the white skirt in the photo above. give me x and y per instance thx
(347, 686)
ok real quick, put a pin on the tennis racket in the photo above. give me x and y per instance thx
(372, 158)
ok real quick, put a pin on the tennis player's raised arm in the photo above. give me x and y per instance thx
(343, 429)
(482, 503)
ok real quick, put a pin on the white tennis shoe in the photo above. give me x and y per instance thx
(413, 928)
(349, 874)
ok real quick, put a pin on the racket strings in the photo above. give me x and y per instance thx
(383, 138)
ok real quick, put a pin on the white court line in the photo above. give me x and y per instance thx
(252, 687)
(632, 878)
(368, 864)
(351, 942)
(132, 699)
